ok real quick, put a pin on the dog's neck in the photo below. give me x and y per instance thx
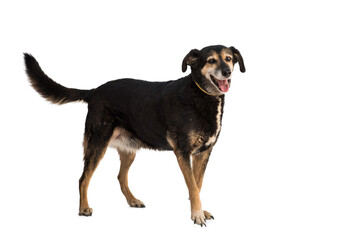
(197, 84)
(200, 83)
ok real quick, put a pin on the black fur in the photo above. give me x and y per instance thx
(180, 115)
(48, 88)
(149, 110)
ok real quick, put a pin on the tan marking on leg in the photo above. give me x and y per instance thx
(199, 164)
(85, 210)
(92, 158)
(127, 159)
(197, 214)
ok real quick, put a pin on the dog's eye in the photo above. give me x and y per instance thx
(228, 59)
(212, 61)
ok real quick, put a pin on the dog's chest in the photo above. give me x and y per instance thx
(207, 135)
(217, 126)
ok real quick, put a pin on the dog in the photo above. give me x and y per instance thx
(184, 116)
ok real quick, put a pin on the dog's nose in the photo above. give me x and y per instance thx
(226, 72)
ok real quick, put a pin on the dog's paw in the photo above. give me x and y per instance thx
(199, 218)
(85, 212)
(208, 215)
(136, 203)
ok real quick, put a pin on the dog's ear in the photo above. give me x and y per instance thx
(238, 58)
(190, 59)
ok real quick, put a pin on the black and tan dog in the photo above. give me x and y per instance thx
(183, 116)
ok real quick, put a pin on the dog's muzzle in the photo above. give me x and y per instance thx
(222, 84)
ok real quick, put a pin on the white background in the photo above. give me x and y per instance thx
(285, 166)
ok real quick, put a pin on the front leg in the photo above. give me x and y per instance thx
(199, 163)
(197, 214)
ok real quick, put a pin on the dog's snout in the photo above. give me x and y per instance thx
(226, 72)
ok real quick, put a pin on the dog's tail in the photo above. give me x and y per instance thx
(48, 88)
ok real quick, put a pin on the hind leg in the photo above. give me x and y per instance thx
(127, 159)
(96, 140)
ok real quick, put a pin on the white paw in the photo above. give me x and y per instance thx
(198, 218)
(208, 215)
(136, 203)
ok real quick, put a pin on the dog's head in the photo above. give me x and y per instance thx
(212, 67)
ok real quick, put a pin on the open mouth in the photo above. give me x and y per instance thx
(223, 85)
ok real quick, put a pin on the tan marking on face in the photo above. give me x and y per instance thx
(210, 68)
(227, 53)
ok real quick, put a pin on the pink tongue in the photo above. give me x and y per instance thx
(223, 85)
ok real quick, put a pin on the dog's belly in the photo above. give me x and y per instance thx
(125, 141)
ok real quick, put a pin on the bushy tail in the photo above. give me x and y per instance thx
(48, 88)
